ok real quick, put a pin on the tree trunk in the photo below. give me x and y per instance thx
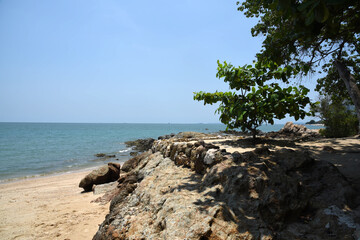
(351, 86)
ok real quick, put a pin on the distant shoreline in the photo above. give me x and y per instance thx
(316, 124)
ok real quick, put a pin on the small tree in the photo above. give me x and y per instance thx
(255, 103)
(338, 117)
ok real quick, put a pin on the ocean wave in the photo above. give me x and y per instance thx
(125, 150)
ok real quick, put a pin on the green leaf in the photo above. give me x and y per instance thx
(321, 13)
(309, 18)
(305, 5)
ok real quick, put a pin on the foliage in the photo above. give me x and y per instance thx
(305, 32)
(337, 117)
(332, 85)
(255, 102)
(310, 34)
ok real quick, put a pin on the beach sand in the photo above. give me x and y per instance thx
(52, 207)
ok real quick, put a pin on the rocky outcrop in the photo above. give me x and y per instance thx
(291, 128)
(196, 155)
(194, 135)
(104, 174)
(295, 131)
(193, 190)
(105, 156)
(140, 145)
(167, 136)
(133, 162)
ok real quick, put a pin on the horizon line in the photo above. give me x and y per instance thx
(114, 122)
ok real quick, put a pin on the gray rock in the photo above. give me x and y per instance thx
(141, 145)
(256, 195)
(104, 174)
(103, 188)
(210, 156)
(133, 162)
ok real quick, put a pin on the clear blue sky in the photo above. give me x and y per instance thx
(117, 61)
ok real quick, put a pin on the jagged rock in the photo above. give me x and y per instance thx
(166, 136)
(104, 174)
(141, 145)
(191, 135)
(290, 127)
(210, 156)
(291, 130)
(134, 154)
(133, 162)
(103, 155)
(103, 188)
(282, 194)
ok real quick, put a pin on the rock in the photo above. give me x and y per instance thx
(291, 130)
(103, 188)
(328, 149)
(103, 155)
(256, 195)
(191, 135)
(210, 156)
(100, 155)
(237, 157)
(104, 174)
(134, 154)
(133, 162)
(166, 136)
(141, 145)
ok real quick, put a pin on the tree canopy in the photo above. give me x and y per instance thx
(310, 34)
(255, 101)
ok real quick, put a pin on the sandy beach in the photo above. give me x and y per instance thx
(52, 207)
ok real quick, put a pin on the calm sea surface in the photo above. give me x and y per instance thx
(34, 149)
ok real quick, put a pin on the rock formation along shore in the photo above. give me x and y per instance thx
(185, 188)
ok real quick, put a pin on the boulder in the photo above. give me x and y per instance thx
(133, 162)
(210, 156)
(291, 128)
(141, 145)
(168, 136)
(104, 174)
(295, 131)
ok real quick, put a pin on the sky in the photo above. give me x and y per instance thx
(118, 61)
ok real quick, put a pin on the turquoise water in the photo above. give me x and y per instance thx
(33, 149)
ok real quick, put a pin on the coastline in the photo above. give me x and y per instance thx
(54, 207)
(51, 207)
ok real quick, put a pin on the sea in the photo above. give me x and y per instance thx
(37, 149)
